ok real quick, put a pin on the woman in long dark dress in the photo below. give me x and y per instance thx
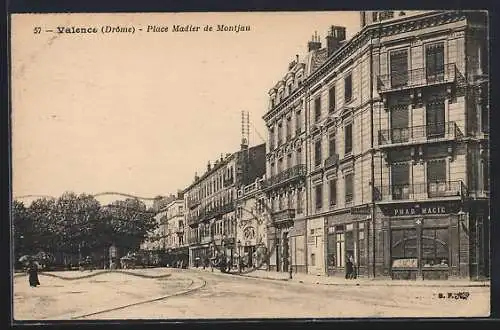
(33, 274)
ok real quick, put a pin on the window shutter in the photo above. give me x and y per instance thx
(436, 170)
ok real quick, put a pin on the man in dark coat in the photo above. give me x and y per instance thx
(33, 274)
(349, 268)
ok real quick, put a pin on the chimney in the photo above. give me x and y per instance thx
(314, 44)
(196, 177)
(209, 167)
(334, 39)
(221, 157)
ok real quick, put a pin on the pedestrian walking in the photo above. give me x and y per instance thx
(33, 274)
(349, 267)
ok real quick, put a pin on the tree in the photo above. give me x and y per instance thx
(130, 222)
(22, 229)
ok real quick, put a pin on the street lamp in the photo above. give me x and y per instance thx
(239, 256)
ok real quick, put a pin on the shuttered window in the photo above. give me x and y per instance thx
(434, 61)
(399, 123)
(436, 170)
(435, 118)
(400, 176)
(399, 68)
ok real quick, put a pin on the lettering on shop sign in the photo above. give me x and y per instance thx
(420, 210)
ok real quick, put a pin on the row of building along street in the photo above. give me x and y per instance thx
(377, 154)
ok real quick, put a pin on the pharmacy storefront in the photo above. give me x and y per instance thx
(423, 240)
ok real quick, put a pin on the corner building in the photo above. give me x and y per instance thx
(395, 149)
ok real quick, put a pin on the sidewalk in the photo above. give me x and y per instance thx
(332, 280)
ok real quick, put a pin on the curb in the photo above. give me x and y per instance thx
(66, 278)
(372, 283)
(180, 293)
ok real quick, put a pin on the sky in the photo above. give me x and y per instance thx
(141, 113)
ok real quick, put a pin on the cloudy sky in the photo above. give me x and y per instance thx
(141, 113)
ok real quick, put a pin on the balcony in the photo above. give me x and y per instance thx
(283, 217)
(192, 203)
(228, 181)
(420, 191)
(331, 161)
(416, 78)
(216, 212)
(192, 220)
(291, 174)
(419, 134)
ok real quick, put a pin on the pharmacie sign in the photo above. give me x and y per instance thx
(420, 210)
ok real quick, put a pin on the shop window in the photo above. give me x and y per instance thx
(319, 196)
(340, 249)
(361, 245)
(404, 248)
(435, 247)
(399, 68)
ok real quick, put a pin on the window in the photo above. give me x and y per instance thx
(399, 121)
(435, 118)
(486, 174)
(298, 123)
(290, 200)
(361, 244)
(319, 196)
(288, 128)
(317, 109)
(290, 89)
(313, 259)
(399, 68)
(289, 161)
(348, 138)
(348, 88)
(299, 156)
(435, 247)
(331, 145)
(349, 188)
(299, 201)
(485, 121)
(436, 178)
(434, 62)
(280, 165)
(280, 133)
(333, 192)
(331, 99)
(271, 170)
(404, 246)
(340, 247)
(400, 178)
(317, 153)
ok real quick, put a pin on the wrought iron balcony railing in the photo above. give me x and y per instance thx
(416, 78)
(192, 203)
(332, 160)
(283, 216)
(419, 191)
(418, 134)
(290, 174)
(208, 214)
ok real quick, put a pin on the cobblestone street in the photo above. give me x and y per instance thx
(153, 294)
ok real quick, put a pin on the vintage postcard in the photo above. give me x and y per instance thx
(250, 165)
